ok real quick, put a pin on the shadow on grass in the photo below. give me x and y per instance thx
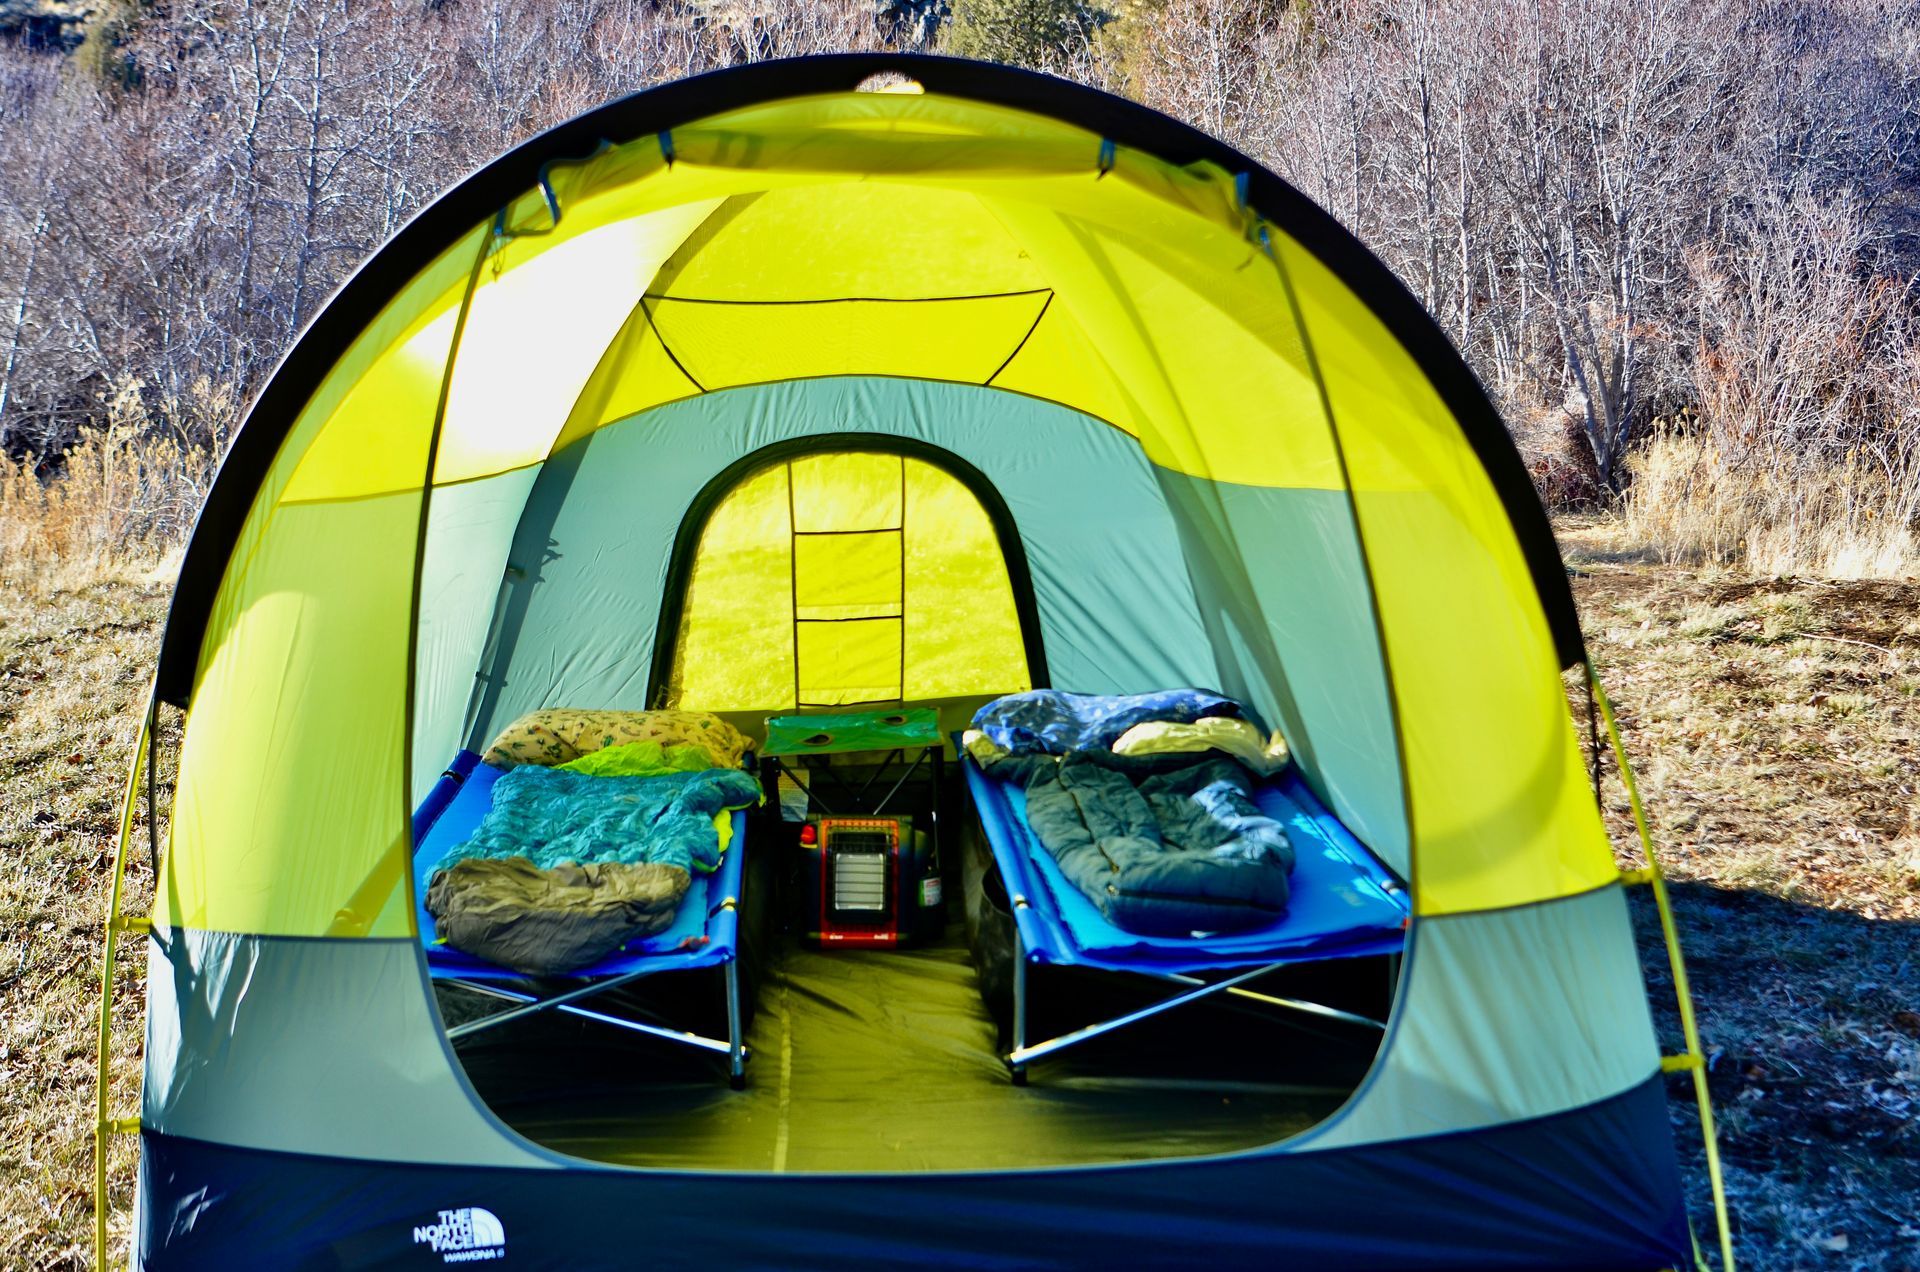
(1811, 1021)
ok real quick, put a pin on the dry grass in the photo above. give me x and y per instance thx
(1775, 728)
(1776, 724)
(123, 495)
(1693, 505)
(75, 663)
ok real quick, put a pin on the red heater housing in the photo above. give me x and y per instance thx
(869, 879)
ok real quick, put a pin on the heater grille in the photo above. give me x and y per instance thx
(857, 863)
(877, 842)
(859, 881)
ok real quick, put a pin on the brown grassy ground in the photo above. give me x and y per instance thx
(1775, 729)
(1774, 724)
(74, 669)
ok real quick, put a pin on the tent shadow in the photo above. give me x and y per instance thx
(1805, 1012)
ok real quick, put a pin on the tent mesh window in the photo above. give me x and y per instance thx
(854, 577)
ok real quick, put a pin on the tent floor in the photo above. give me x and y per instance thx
(889, 1061)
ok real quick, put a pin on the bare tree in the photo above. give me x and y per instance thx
(1596, 201)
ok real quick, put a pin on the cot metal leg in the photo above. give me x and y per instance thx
(534, 1004)
(1024, 1054)
(939, 805)
(736, 1044)
(1291, 1004)
(531, 1003)
(1016, 1070)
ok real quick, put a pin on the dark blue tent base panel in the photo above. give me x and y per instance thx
(1595, 1188)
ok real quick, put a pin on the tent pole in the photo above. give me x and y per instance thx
(400, 860)
(1694, 1059)
(104, 1124)
(1259, 236)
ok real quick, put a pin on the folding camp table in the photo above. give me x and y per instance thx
(705, 931)
(850, 768)
(1344, 904)
(903, 738)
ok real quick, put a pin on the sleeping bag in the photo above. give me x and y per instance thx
(1168, 850)
(568, 866)
(550, 922)
(1056, 722)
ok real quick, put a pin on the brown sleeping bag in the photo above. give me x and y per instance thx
(549, 922)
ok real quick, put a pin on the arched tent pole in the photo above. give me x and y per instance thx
(1258, 234)
(1693, 1059)
(370, 898)
(517, 580)
(105, 1125)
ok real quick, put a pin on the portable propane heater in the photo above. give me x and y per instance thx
(865, 788)
(871, 879)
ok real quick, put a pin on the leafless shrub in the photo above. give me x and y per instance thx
(1615, 211)
(1806, 454)
(126, 494)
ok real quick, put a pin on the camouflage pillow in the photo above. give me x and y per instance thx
(559, 735)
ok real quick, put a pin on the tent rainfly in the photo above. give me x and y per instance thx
(1118, 410)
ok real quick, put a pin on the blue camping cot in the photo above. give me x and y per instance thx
(1344, 904)
(705, 931)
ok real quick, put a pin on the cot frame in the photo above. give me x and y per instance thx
(1022, 1053)
(733, 1047)
(567, 1001)
(1235, 973)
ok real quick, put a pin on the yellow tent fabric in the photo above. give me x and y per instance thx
(865, 578)
(1501, 808)
(922, 237)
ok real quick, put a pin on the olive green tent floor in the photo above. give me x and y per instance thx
(887, 1061)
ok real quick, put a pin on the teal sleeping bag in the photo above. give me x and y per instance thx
(553, 816)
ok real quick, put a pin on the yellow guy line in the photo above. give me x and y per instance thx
(105, 1125)
(1694, 1061)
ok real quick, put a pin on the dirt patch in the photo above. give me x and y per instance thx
(1807, 1016)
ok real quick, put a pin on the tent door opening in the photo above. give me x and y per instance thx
(846, 571)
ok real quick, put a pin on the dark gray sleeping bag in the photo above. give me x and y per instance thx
(553, 921)
(1160, 851)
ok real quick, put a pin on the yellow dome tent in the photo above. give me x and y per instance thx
(754, 392)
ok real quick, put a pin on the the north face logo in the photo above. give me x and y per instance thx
(468, 1235)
